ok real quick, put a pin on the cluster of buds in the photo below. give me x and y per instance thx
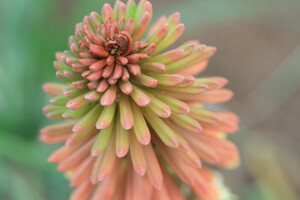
(135, 125)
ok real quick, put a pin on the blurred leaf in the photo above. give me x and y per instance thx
(22, 151)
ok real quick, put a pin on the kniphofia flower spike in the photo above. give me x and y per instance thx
(134, 122)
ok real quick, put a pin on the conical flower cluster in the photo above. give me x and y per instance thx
(134, 122)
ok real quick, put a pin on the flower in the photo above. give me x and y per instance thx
(134, 116)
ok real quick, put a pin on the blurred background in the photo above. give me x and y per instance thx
(258, 51)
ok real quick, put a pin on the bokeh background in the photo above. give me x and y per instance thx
(258, 51)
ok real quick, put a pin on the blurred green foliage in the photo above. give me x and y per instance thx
(33, 30)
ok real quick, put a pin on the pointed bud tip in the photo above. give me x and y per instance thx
(158, 185)
(185, 109)
(144, 101)
(53, 159)
(43, 131)
(45, 87)
(106, 6)
(70, 142)
(71, 105)
(145, 140)
(73, 184)
(174, 143)
(95, 153)
(127, 125)
(177, 14)
(213, 49)
(121, 152)
(77, 129)
(181, 27)
(198, 128)
(101, 176)
(222, 81)
(102, 125)
(60, 168)
(105, 102)
(140, 171)
(185, 148)
(153, 83)
(166, 112)
(94, 180)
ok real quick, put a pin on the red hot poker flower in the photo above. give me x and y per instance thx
(134, 116)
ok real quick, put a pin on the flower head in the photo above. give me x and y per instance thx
(134, 113)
